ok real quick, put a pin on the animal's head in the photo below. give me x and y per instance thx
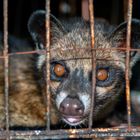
(71, 65)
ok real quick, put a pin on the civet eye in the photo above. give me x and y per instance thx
(102, 74)
(59, 70)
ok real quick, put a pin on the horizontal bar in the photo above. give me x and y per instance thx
(54, 49)
(73, 133)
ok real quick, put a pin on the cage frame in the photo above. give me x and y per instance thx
(67, 133)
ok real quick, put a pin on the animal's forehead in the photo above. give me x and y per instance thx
(77, 45)
(79, 54)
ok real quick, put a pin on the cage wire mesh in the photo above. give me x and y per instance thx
(67, 133)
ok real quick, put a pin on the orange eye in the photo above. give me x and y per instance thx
(59, 70)
(102, 74)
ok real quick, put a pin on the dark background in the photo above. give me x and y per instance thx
(19, 12)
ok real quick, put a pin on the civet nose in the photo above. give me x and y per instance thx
(71, 107)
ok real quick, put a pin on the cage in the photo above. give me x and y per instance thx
(65, 9)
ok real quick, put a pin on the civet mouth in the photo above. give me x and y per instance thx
(72, 120)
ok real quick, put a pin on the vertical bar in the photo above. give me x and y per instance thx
(129, 18)
(125, 9)
(85, 12)
(91, 15)
(47, 16)
(6, 66)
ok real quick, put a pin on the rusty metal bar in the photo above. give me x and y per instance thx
(55, 49)
(85, 12)
(128, 39)
(91, 15)
(47, 26)
(6, 65)
(125, 7)
(73, 133)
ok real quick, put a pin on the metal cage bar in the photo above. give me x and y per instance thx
(84, 7)
(91, 15)
(125, 7)
(6, 65)
(47, 25)
(73, 133)
(70, 133)
(128, 38)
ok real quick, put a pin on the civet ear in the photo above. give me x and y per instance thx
(36, 27)
(118, 39)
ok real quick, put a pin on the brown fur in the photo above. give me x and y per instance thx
(71, 41)
(26, 104)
